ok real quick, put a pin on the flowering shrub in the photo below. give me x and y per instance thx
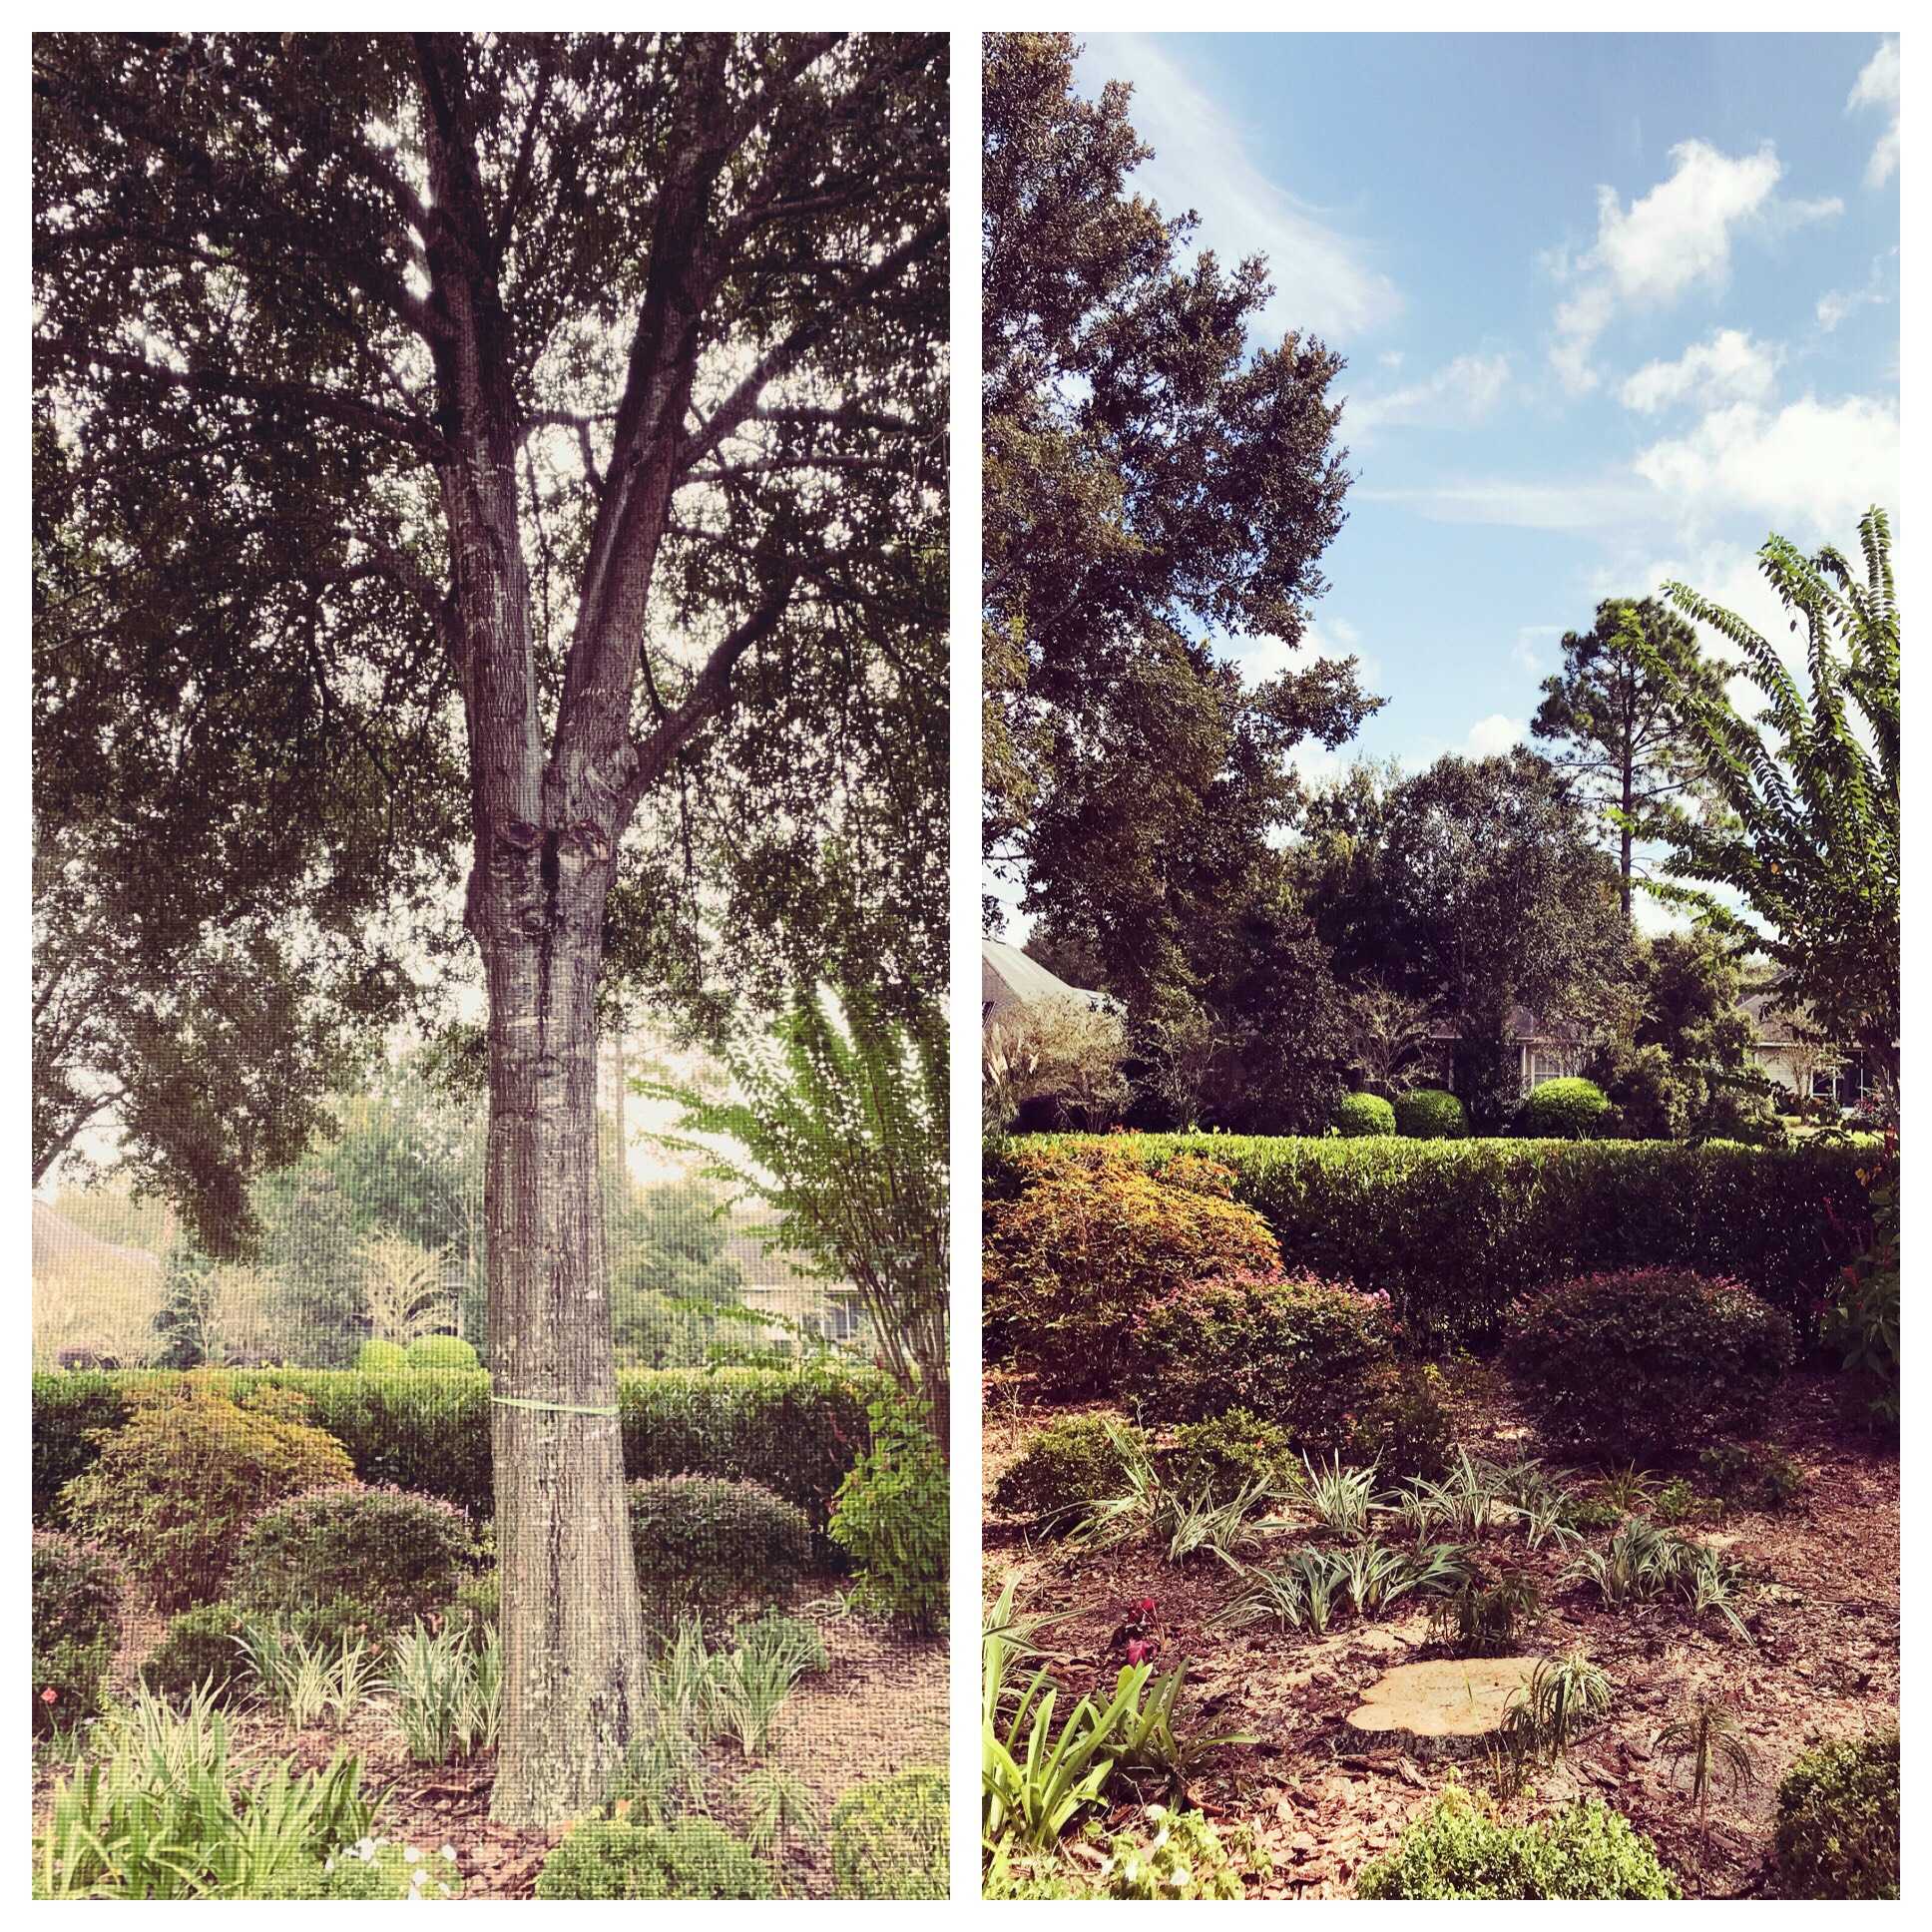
(75, 1626)
(890, 1838)
(1294, 1352)
(394, 1555)
(179, 1483)
(1092, 1240)
(890, 1518)
(1650, 1360)
(613, 1858)
(1075, 1459)
(377, 1868)
(706, 1546)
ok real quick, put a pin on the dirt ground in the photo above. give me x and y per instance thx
(881, 1708)
(1821, 1601)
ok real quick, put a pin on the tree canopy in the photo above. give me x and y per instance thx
(1151, 481)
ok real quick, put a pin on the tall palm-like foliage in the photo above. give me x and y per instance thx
(841, 1113)
(1809, 841)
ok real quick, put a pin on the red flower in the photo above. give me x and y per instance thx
(50, 1696)
(1139, 1650)
(1141, 1605)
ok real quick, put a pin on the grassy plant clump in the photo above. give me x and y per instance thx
(613, 1858)
(159, 1809)
(1072, 1460)
(448, 1691)
(890, 1838)
(1837, 1821)
(1460, 1851)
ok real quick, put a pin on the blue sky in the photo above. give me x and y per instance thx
(1614, 308)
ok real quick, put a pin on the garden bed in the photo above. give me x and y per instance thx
(1817, 1590)
(879, 1708)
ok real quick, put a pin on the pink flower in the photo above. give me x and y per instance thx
(1139, 1650)
(50, 1696)
(1141, 1605)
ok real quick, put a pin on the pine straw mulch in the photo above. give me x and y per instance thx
(1821, 1601)
(879, 1708)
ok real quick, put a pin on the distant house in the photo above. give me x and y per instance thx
(1799, 1064)
(1010, 981)
(779, 1286)
(1544, 1049)
(62, 1247)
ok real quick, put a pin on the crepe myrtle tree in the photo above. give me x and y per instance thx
(508, 472)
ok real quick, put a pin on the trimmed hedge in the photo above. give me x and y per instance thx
(797, 1431)
(1566, 1110)
(1455, 1230)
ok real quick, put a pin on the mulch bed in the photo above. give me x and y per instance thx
(1821, 1601)
(881, 1708)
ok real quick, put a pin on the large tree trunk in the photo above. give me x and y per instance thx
(573, 1634)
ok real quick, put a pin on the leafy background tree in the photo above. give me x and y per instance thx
(1615, 723)
(1811, 845)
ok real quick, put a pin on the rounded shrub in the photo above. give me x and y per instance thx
(394, 1555)
(707, 1545)
(890, 1517)
(381, 1357)
(1837, 1821)
(1430, 1114)
(1294, 1351)
(1402, 1424)
(442, 1351)
(1459, 1851)
(1650, 1360)
(1359, 1114)
(1075, 1459)
(199, 1648)
(1226, 1454)
(178, 1484)
(613, 1858)
(1566, 1110)
(889, 1838)
(76, 1629)
(1089, 1244)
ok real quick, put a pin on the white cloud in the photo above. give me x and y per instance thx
(1810, 467)
(1390, 358)
(1877, 87)
(1262, 658)
(1676, 238)
(1493, 736)
(1527, 652)
(1730, 366)
(1325, 280)
(1461, 392)
(1524, 504)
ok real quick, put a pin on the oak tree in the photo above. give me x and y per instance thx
(515, 463)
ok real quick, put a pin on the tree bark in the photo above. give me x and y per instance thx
(574, 1658)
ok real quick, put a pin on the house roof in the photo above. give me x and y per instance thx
(61, 1244)
(1008, 978)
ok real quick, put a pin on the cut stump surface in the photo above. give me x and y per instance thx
(1458, 1697)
